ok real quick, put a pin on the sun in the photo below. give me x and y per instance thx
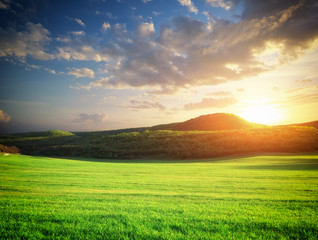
(263, 113)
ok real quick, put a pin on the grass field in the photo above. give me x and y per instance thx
(261, 197)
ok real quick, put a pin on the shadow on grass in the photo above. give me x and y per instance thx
(288, 162)
(140, 160)
(302, 165)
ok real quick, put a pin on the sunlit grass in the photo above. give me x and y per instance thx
(265, 197)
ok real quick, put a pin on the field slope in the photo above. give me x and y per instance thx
(264, 197)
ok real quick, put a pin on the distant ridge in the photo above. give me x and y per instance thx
(207, 136)
(210, 122)
(306, 124)
(50, 133)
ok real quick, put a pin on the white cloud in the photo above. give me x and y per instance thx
(50, 70)
(156, 13)
(95, 117)
(4, 117)
(82, 72)
(189, 5)
(31, 42)
(145, 105)
(146, 1)
(146, 29)
(79, 21)
(63, 39)
(105, 26)
(220, 3)
(78, 33)
(80, 51)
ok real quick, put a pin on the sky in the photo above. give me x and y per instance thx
(111, 64)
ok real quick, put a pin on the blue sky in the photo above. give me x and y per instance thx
(109, 64)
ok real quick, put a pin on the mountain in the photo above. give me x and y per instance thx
(210, 122)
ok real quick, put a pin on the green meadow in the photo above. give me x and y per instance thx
(258, 197)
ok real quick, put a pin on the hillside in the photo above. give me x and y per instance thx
(210, 122)
(307, 124)
(50, 133)
(212, 135)
(34, 136)
(174, 144)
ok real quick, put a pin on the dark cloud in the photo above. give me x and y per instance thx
(260, 9)
(295, 27)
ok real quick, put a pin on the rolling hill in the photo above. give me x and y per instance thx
(210, 122)
(212, 135)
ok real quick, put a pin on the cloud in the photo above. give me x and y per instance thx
(220, 94)
(304, 98)
(190, 52)
(185, 52)
(82, 72)
(30, 42)
(146, 29)
(95, 117)
(211, 103)
(78, 33)
(301, 95)
(189, 5)
(145, 104)
(80, 22)
(77, 20)
(105, 26)
(4, 117)
(146, 1)
(82, 48)
(304, 81)
(220, 3)
(156, 13)
(3, 5)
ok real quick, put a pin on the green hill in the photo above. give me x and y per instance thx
(34, 136)
(50, 133)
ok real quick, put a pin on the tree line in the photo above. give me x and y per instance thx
(175, 144)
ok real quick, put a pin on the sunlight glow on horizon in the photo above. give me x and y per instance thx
(263, 112)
